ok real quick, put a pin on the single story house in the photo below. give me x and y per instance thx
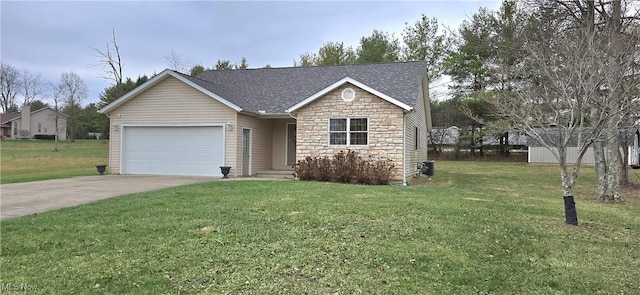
(5, 125)
(39, 122)
(267, 119)
(540, 154)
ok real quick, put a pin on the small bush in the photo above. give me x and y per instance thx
(24, 133)
(313, 169)
(345, 167)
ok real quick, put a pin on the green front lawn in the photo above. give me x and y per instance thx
(30, 160)
(476, 227)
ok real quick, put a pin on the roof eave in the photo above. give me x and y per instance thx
(276, 116)
(264, 115)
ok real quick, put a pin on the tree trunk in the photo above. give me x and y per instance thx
(55, 144)
(601, 168)
(57, 118)
(613, 165)
(472, 142)
(599, 157)
(570, 212)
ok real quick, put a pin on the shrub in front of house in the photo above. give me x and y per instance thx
(345, 167)
(313, 169)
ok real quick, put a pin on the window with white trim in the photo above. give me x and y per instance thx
(349, 131)
(417, 138)
(348, 94)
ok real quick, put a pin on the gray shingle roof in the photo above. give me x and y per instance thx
(276, 89)
(5, 118)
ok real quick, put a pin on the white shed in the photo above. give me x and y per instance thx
(540, 154)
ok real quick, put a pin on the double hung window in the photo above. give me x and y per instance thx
(349, 131)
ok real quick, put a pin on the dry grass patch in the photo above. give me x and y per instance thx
(30, 160)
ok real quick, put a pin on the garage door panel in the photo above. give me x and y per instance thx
(173, 150)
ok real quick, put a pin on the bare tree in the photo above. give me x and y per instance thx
(71, 91)
(566, 73)
(112, 64)
(620, 88)
(31, 86)
(176, 62)
(615, 25)
(10, 85)
(56, 96)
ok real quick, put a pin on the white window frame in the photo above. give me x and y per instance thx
(348, 131)
(348, 94)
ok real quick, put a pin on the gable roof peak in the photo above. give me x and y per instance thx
(189, 80)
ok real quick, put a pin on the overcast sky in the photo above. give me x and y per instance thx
(55, 37)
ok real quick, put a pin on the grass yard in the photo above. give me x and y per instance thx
(476, 228)
(30, 160)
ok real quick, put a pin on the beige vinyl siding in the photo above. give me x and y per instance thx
(261, 135)
(171, 101)
(47, 119)
(413, 119)
(279, 144)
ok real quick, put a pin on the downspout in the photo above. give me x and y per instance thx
(404, 150)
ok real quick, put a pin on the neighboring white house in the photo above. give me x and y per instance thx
(40, 122)
(540, 154)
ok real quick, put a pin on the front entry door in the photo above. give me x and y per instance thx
(246, 152)
(291, 144)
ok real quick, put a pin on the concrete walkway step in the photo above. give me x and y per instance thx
(275, 174)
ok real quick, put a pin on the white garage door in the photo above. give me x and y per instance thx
(173, 150)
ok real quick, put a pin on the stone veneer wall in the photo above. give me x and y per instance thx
(385, 126)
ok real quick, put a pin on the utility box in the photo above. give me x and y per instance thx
(428, 168)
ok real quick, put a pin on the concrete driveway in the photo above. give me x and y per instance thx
(20, 199)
